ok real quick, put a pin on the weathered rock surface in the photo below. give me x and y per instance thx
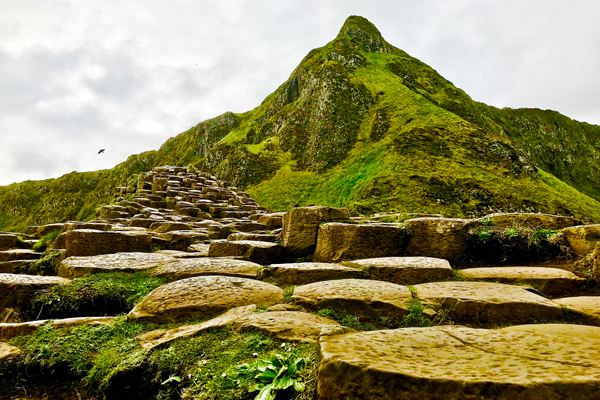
(190, 267)
(160, 337)
(75, 267)
(457, 363)
(294, 326)
(300, 225)
(586, 306)
(309, 272)
(7, 351)
(550, 281)
(582, 239)
(11, 330)
(8, 240)
(19, 254)
(438, 237)
(405, 270)
(487, 302)
(203, 296)
(255, 251)
(262, 237)
(89, 242)
(16, 289)
(13, 267)
(339, 242)
(365, 298)
(531, 220)
(99, 226)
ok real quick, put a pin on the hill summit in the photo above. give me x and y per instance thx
(362, 124)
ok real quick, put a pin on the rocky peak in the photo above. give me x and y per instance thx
(361, 31)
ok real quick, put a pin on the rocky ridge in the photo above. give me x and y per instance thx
(234, 264)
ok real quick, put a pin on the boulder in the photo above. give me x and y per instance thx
(339, 242)
(160, 337)
(531, 220)
(458, 363)
(309, 272)
(582, 239)
(88, 242)
(364, 298)
(255, 251)
(587, 307)
(405, 270)
(293, 326)
(550, 281)
(300, 226)
(76, 267)
(486, 302)
(438, 237)
(16, 289)
(271, 221)
(202, 297)
(190, 267)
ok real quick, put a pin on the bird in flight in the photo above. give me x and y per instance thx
(101, 151)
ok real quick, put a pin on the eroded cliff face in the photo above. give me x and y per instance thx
(362, 124)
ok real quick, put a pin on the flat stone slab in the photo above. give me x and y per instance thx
(15, 289)
(405, 270)
(90, 242)
(75, 267)
(293, 326)
(251, 250)
(200, 248)
(203, 296)
(586, 306)
(13, 267)
(8, 240)
(365, 298)
(11, 330)
(182, 268)
(7, 351)
(550, 281)
(161, 337)
(19, 254)
(261, 237)
(487, 302)
(309, 272)
(458, 363)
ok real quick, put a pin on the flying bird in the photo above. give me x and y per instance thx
(101, 151)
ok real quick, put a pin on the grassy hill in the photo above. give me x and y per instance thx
(362, 124)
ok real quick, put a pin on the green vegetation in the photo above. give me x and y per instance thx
(94, 295)
(46, 241)
(47, 265)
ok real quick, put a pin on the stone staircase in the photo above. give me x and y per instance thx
(498, 331)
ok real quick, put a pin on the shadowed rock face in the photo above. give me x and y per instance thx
(456, 363)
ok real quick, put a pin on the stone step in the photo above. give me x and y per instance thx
(309, 272)
(405, 270)
(16, 289)
(439, 363)
(587, 307)
(19, 254)
(255, 251)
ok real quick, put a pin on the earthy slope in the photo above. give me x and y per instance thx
(362, 124)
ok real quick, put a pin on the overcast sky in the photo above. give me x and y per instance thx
(78, 76)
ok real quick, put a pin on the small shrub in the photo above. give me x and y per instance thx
(415, 317)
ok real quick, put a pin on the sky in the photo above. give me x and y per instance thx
(124, 76)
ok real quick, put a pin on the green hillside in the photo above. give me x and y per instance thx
(362, 124)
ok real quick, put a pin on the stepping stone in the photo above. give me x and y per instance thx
(89, 242)
(19, 254)
(262, 237)
(16, 289)
(76, 267)
(340, 242)
(161, 337)
(531, 220)
(405, 270)
(7, 351)
(247, 226)
(181, 268)
(486, 302)
(309, 272)
(582, 239)
(300, 226)
(8, 240)
(439, 363)
(163, 227)
(203, 296)
(550, 281)
(255, 251)
(586, 306)
(11, 330)
(438, 237)
(13, 267)
(293, 326)
(365, 298)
